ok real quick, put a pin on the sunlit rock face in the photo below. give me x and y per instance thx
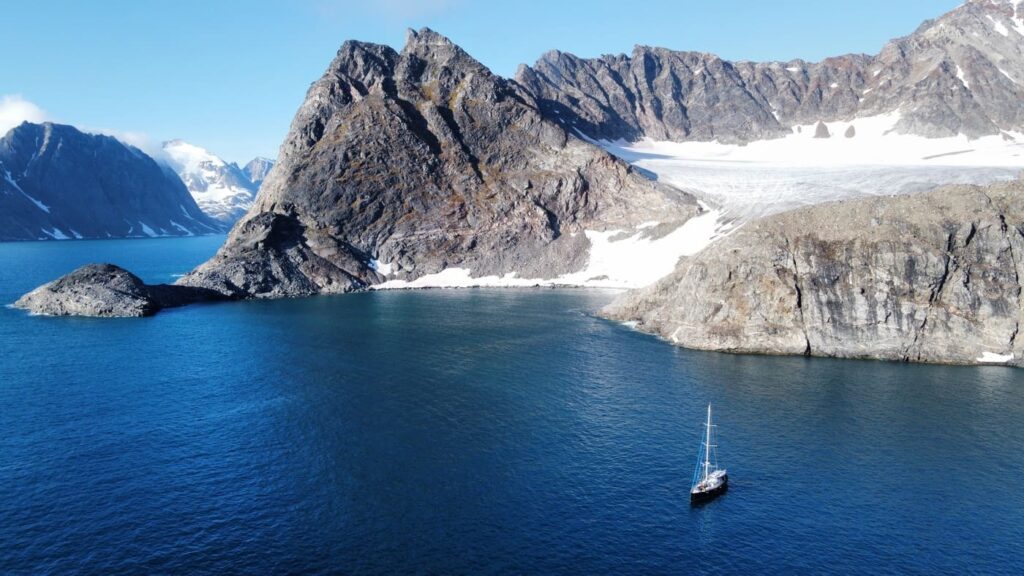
(404, 164)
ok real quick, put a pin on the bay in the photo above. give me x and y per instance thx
(473, 431)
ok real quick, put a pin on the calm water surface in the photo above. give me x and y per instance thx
(476, 431)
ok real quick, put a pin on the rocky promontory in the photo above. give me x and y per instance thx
(404, 164)
(934, 277)
(108, 291)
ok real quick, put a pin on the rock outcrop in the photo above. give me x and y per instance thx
(105, 290)
(402, 164)
(935, 277)
(962, 73)
(821, 131)
(257, 170)
(57, 182)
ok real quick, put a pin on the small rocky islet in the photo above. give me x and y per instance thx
(109, 291)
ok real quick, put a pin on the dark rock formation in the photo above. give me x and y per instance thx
(850, 131)
(926, 278)
(105, 290)
(425, 160)
(58, 182)
(821, 131)
(961, 73)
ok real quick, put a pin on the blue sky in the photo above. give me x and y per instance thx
(229, 75)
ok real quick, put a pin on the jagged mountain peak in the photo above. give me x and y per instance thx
(406, 164)
(428, 56)
(426, 37)
(363, 61)
(960, 73)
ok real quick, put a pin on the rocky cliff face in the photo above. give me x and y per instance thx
(221, 189)
(962, 73)
(57, 183)
(931, 278)
(402, 164)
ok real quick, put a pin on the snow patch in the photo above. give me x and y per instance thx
(182, 228)
(960, 76)
(993, 358)
(998, 26)
(618, 259)
(1017, 21)
(384, 268)
(639, 260)
(10, 180)
(147, 230)
(55, 234)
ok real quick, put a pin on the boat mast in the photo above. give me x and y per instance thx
(707, 446)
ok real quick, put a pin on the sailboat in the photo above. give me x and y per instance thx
(708, 481)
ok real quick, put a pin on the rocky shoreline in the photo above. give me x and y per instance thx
(420, 164)
(932, 278)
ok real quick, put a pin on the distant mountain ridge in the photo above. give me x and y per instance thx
(962, 73)
(60, 183)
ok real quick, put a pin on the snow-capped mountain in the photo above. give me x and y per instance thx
(257, 169)
(59, 183)
(221, 189)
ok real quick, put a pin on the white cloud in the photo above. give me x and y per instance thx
(140, 140)
(14, 110)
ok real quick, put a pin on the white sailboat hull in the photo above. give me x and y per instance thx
(715, 484)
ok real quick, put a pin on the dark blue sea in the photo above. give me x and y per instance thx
(473, 432)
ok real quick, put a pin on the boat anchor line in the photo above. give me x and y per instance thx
(709, 481)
